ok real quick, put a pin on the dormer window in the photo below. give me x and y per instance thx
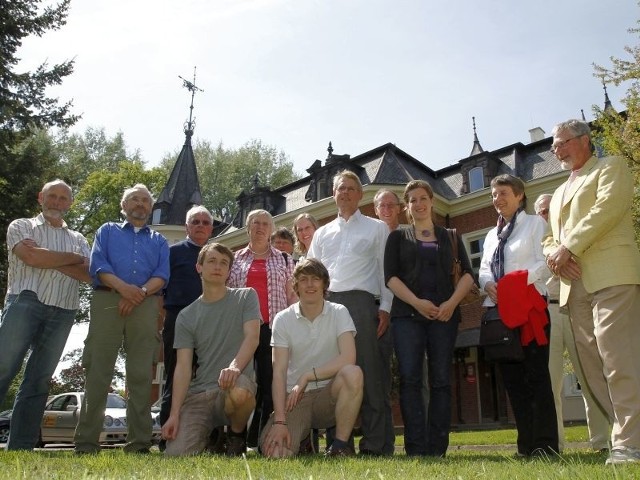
(476, 179)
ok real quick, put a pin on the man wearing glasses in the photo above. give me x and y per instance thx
(387, 207)
(184, 288)
(591, 247)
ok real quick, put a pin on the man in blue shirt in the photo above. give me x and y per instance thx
(129, 265)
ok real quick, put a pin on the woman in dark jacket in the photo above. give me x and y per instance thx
(424, 318)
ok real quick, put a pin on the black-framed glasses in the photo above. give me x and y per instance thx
(196, 222)
(554, 147)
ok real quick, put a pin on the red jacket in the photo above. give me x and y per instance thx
(521, 305)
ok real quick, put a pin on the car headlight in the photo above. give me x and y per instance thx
(108, 420)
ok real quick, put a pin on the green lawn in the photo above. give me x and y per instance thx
(461, 463)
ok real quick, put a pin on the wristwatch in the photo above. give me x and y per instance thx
(144, 289)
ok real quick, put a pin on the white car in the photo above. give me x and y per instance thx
(62, 412)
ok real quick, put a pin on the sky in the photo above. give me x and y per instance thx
(297, 74)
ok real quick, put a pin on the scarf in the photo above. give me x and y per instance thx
(504, 232)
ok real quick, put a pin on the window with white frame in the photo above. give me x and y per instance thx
(474, 243)
(476, 179)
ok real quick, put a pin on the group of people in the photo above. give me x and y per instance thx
(297, 329)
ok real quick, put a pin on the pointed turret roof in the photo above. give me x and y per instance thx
(477, 148)
(182, 191)
(607, 103)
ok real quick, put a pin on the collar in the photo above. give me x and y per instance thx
(129, 225)
(299, 315)
(40, 220)
(353, 218)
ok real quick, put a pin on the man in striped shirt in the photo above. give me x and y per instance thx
(47, 262)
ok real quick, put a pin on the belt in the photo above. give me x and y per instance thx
(103, 288)
(557, 302)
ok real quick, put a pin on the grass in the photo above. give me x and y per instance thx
(496, 462)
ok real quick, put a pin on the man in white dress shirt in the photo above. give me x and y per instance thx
(352, 249)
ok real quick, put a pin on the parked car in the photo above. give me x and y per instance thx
(63, 411)
(61, 417)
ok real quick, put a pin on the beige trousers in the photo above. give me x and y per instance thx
(606, 326)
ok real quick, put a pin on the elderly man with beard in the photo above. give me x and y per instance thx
(591, 247)
(129, 266)
(47, 262)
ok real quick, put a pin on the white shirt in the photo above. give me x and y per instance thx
(523, 251)
(353, 252)
(310, 343)
(51, 286)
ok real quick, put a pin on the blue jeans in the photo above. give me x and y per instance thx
(27, 324)
(412, 338)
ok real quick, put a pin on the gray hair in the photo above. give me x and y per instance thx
(259, 213)
(138, 187)
(193, 211)
(383, 191)
(577, 128)
(343, 175)
(540, 200)
(56, 182)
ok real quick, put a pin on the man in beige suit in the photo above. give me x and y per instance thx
(591, 247)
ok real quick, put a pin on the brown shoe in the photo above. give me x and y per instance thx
(340, 452)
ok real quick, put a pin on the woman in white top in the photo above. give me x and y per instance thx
(515, 245)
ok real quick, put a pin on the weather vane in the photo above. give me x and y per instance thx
(191, 86)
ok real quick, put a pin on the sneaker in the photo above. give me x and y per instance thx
(236, 444)
(621, 455)
(340, 452)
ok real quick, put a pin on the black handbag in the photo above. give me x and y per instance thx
(500, 343)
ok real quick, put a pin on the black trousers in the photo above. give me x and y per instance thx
(264, 376)
(168, 334)
(528, 385)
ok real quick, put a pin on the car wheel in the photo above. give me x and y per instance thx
(4, 434)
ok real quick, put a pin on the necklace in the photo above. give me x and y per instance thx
(256, 254)
(426, 232)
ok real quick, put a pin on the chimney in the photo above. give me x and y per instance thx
(536, 134)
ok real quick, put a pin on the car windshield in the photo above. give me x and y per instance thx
(116, 401)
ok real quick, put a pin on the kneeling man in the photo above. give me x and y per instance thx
(222, 327)
(316, 383)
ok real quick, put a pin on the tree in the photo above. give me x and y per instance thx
(81, 155)
(72, 378)
(23, 102)
(224, 173)
(619, 133)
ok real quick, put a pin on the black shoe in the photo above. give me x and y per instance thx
(365, 452)
(236, 444)
(340, 452)
(216, 443)
(140, 451)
